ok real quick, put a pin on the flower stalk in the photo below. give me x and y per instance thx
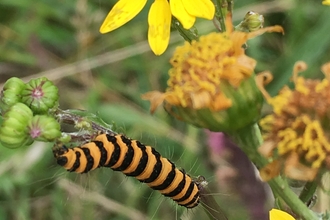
(187, 34)
(249, 138)
(221, 7)
(308, 191)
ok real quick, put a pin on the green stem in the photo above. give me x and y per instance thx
(220, 14)
(188, 35)
(308, 191)
(249, 139)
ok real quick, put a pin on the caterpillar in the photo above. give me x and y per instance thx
(133, 159)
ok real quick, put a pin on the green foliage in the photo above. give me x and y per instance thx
(44, 35)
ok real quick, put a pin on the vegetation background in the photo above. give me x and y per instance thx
(106, 74)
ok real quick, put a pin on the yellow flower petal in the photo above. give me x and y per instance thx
(159, 20)
(326, 2)
(121, 13)
(200, 8)
(178, 10)
(276, 214)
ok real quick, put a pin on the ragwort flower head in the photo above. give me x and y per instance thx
(159, 18)
(212, 83)
(297, 133)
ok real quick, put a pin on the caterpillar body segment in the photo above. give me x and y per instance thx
(133, 159)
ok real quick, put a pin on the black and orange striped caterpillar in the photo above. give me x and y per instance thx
(133, 159)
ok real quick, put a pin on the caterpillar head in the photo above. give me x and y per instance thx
(60, 152)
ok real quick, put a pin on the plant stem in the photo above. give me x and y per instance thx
(188, 35)
(308, 191)
(220, 13)
(249, 139)
(83, 119)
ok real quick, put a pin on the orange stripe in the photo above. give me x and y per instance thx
(94, 152)
(83, 161)
(177, 179)
(123, 151)
(184, 190)
(192, 195)
(71, 158)
(109, 147)
(166, 169)
(150, 165)
(136, 158)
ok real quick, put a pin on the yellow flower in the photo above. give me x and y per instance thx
(297, 133)
(159, 18)
(211, 82)
(276, 214)
(326, 2)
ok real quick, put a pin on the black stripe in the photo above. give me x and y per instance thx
(116, 151)
(178, 189)
(194, 200)
(187, 194)
(89, 158)
(76, 163)
(128, 156)
(104, 153)
(157, 168)
(169, 179)
(142, 163)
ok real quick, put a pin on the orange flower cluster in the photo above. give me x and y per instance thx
(297, 133)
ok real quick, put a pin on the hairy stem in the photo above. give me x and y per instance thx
(249, 139)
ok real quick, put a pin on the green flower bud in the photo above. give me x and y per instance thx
(13, 131)
(11, 93)
(252, 22)
(40, 95)
(44, 128)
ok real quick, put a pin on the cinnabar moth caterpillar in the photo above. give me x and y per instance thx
(133, 159)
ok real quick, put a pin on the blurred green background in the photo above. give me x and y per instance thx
(106, 74)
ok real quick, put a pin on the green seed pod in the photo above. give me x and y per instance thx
(20, 112)
(28, 142)
(11, 93)
(44, 128)
(12, 142)
(8, 99)
(14, 84)
(14, 132)
(40, 95)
